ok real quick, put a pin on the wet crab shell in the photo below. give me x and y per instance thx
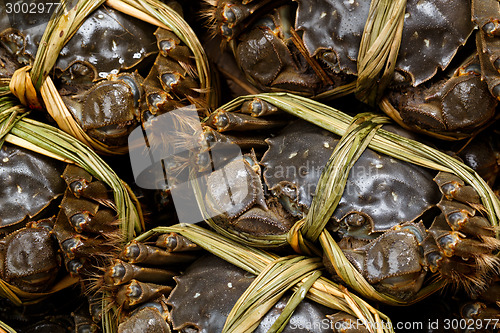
(433, 31)
(29, 259)
(432, 34)
(30, 182)
(197, 308)
(108, 40)
(377, 186)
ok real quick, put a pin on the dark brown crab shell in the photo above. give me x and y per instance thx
(208, 289)
(269, 59)
(30, 182)
(109, 110)
(377, 186)
(29, 259)
(461, 103)
(393, 263)
(107, 40)
(433, 31)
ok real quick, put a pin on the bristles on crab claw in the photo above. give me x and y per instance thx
(208, 16)
(190, 69)
(491, 242)
(199, 100)
(458, 273)
(485, 267)
(471, 273)
(488, 264)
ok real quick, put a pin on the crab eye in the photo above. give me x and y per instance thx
(355, 220)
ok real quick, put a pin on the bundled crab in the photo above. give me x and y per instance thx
(444, 230)
(140, 284)
(390, 226)
(59, 224)
(140, 70)
(64, 212)
(441, 75)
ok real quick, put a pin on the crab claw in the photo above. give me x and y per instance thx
(483, 14)
(148, 318)
(394, 262)
(459, 104)
(460, 259)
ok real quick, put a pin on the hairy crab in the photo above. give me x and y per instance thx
(441, 229)
(153, 296)
(280, 47)
(212, 306)
(139, 71)
(39, 237)
(138, 280)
